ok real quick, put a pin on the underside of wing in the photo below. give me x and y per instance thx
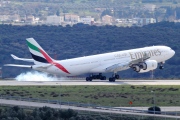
(117, 67)
(111, 67)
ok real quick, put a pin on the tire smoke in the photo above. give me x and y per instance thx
(35, 76)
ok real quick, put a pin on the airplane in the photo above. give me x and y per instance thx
(140, 60)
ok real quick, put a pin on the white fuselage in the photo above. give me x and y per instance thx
(99, 63)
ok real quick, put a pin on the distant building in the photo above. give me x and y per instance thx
(36, 20)
(14, 18)
(87, 20)
(144, 21)
(107, 20)
(30, 19)
(55, 20)
(4, 17)
(150, 7)
(71, 18)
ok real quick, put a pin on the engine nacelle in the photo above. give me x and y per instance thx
(151, 65)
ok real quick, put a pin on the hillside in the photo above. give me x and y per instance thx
(82, 40)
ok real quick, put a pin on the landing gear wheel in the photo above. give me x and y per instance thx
(113, 79)
(94, 77)
(99, 76)
(88, 78)
(103, 78)
(161, 67)
(110, 79)
(117, 76)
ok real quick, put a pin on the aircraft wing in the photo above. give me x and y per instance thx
(126, 64)
(15, 65)
(23, 59)
(145, 57)
(117, 67)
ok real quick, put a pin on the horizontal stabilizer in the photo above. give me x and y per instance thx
(23, 59)
(30, 66)
(15, 65)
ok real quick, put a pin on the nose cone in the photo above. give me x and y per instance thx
(172, 52)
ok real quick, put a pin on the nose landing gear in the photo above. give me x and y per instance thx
(161, 66)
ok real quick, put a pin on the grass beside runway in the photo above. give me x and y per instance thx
(101, 95)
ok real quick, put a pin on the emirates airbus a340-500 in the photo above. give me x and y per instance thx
(140, 60)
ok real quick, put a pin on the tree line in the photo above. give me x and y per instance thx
(47, 113)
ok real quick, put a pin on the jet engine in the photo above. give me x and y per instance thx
(145, 66)
(150, 65)
(136, 68)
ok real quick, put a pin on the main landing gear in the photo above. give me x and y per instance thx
(114, 77)
(161, 66)
(99, 76)
(91, 77)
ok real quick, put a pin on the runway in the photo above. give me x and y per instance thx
(83, 82)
